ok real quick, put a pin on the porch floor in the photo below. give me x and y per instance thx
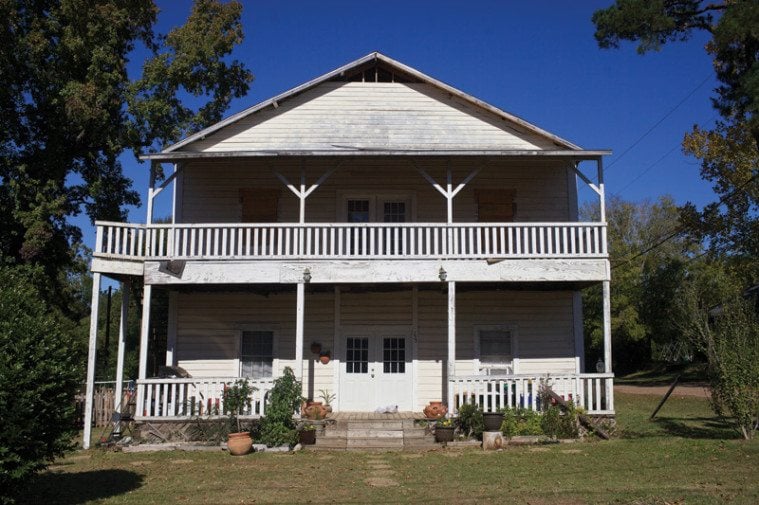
(375, 416)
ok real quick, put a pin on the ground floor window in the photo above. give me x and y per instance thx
(495, 349)
(257, 354)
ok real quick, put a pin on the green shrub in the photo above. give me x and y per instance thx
(556, 424)
(470, 421)
(521, 422)
(40, 371)
(278, 426)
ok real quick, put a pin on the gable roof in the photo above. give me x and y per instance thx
(409, 74)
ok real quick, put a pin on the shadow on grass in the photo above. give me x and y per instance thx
(81, 487)
(704, 428)
(700, 427)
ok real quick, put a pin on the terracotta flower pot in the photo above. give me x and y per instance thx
(435, 410)
(314, 410)
(324, 358)
(240, 443)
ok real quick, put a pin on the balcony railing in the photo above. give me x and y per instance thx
(351, 240)
(593, 392)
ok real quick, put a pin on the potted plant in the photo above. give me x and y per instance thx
(313, 410)
(327, 397)
(236, 403)
(444, 428)
(307, 434)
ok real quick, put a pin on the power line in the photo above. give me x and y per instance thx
(660, 121)
(652, 165)
(681, 228)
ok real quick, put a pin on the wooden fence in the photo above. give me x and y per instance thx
(103, 405)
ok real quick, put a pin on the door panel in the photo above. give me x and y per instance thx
(376, 373)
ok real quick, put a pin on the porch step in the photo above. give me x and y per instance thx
(374, 434)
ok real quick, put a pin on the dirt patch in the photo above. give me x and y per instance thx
(140, 462)
(383, 473)
(697, 391)
(414, 455)
(381, 482)
(380, 466)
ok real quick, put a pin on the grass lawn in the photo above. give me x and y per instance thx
(686, 456)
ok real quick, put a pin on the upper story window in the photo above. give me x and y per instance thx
(495, 205)
(358, 211)
(394, 212)
(259, 205)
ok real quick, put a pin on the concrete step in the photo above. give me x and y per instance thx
(374, 442)
(374, 424)
(374, 433)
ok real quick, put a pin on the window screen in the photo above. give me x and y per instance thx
(357, 355)
(358, 211)
(394, 355)
(394, 212)
(257, 354)
(495, 346)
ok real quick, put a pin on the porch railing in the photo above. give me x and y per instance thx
(592, 392)
(182, 398)
(351, 240)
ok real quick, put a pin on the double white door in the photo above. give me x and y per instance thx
(375, 371)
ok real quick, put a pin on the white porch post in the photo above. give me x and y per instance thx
(171, 330)
(125, 287)
(151, 189)
(299, 316)
(90, 392)
(451, 337)
(601, 190)
(607, 325)
(145, 328)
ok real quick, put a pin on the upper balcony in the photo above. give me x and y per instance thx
(353, 252)
(350, 241)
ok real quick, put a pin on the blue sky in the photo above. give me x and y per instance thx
(535, 59)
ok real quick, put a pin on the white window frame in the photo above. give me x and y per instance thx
(274, 347)
(375, 200)
(477, 363)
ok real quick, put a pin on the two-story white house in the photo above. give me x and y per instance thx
(390, 238)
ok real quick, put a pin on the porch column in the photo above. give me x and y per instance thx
(451, 330)
(125, 287)
(171, 330)
(145, 328)
(299, 314)
(90, 391)
(607, 325)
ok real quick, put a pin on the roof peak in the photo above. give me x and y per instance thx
(353, 68)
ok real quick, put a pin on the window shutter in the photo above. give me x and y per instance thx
(258, 205)
(495, 205)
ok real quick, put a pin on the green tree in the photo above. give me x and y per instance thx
(69, 109)
(730, 161)
(728, 336)
(728, 153)
(733, 24)
(40, 370)
(637, 320)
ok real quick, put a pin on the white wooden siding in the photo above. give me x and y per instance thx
(336, 115)
(207, 326)
(210, 190)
